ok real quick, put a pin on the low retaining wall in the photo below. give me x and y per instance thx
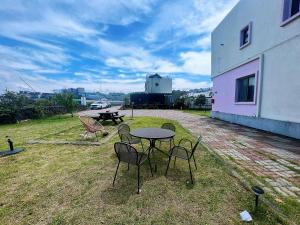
(289, 129)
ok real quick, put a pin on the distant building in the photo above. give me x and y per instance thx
(158, 93)
(208, 99)
(157, 84)
(31, 95)
(76, 92)
(47, 96)
(255, 66)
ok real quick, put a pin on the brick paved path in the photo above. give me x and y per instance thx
(271, 160)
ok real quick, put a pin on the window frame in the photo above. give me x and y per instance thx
(249, 26)
(254, 94)
(285, 21)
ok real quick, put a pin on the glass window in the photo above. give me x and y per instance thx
(245, 36)
(245, 89)
(290, 9)
(295, 7)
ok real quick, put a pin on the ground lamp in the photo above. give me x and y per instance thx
(257, 191)
(11, 150)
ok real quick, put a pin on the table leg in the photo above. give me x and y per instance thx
(152, 149)
(114, 120)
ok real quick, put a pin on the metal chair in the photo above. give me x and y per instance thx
(125, 136)
(184, 153)
(168, 126)
(128, 154)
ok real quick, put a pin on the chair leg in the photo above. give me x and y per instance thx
(175, 161)
(150, 165)
(138, 180)
(195, 162)
(116, 173)
(191, 172)
(142, 145)
(168, 166)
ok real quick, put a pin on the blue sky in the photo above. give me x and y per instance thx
(106, 45)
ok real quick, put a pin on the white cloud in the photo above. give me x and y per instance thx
(193, 17)
(196, 62)
(204, 42)
(12, 81)
(184, 84)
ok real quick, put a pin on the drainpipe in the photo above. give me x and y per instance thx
(260, 87)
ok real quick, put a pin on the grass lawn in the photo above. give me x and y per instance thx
(68, 184)
(198, 112)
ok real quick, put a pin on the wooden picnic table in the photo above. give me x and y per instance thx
(110, 115)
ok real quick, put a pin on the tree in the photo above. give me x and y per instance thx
(66, 100)
(200, 100)
(11, 104)
(179, 98)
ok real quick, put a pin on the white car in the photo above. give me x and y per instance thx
(100, 105)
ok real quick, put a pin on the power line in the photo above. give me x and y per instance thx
(27, 83)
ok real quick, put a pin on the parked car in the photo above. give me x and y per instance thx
(100, 105)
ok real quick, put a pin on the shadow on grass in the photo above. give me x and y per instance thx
(126, 181)
(125, 184)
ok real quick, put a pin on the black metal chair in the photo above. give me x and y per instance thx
(168, 126)
(125, 136)
(128, 154)
(184, 153)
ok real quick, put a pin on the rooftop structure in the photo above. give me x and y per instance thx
(156, 84)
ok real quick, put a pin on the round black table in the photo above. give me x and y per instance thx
(153, 134)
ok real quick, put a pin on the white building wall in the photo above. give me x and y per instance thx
(279, 46)
(158, 85)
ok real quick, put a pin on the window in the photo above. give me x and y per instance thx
(291, 10)
(156, 84)
(245, 89)
(245, 36)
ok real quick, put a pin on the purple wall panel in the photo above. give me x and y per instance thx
(224, 90)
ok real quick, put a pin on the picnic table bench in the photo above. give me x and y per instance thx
(110, 115)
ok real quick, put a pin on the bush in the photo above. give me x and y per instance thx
(7, 117)
(15, 107)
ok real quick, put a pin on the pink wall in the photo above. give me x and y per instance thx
(224, 90)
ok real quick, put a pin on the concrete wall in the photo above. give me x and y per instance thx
(281, 82)
(267, 32)
(279, 98)
(164, 85)
(276, 126)
(224, 90)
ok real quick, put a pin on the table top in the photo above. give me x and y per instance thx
(109, 112)
(152, 133)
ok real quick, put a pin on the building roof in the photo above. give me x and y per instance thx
(156, 75)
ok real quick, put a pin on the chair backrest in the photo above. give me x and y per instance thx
(90, 124)
(124, 127)
(196, 145)
(124, 133)
(126, 153)
(169, 126)
(125, 137)
(87, 123)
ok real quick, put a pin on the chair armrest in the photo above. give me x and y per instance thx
(180, 147)
(185, 140)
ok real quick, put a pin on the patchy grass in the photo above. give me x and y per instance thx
(198, 112)
(66, 184)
